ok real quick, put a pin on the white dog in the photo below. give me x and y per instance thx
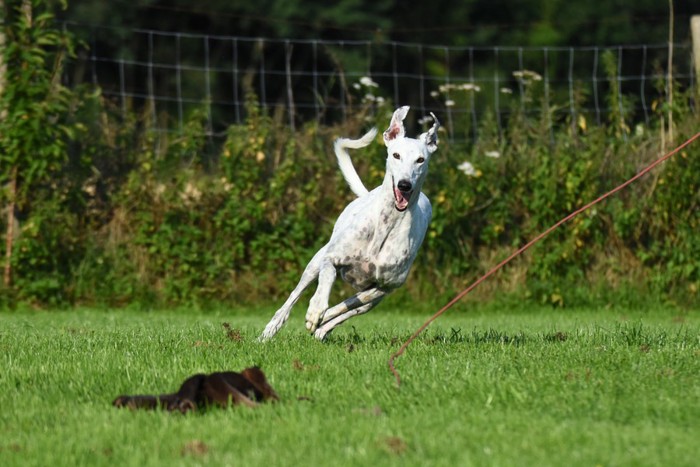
(376, 237)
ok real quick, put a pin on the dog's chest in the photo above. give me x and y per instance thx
(380, 256)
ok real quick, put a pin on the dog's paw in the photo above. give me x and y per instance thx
(314, 314)
(313, 321)
(313, 326)
(265, 336)
(269, 331)
(320, 333)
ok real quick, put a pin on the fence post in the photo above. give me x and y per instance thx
(695, 32)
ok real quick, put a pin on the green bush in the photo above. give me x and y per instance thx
(112, 212)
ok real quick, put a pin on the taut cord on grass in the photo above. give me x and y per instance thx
(460, 295)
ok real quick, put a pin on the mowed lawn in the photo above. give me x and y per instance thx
(509, 385)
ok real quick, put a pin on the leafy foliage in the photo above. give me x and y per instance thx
(36, 125)
(34, 128)
(111, 212)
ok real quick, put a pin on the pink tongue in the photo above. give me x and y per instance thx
(401, 200)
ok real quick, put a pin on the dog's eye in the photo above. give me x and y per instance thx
(397, 155)
(420, 160)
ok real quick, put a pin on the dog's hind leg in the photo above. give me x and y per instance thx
(328, 326)
(282, 315)
(356, 305)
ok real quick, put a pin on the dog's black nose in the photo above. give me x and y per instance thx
(404, 185)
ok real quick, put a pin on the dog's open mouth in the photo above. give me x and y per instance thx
(401, 199)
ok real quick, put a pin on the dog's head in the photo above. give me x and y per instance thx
(407, 160)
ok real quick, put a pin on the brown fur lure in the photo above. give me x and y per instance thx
(249, 388)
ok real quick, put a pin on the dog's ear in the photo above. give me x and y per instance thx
(430, 137)
(396, 129)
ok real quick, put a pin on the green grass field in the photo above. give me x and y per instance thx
(493, 386)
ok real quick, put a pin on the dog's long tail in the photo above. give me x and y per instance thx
(348, 170)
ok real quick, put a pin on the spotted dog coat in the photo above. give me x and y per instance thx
(376, 238)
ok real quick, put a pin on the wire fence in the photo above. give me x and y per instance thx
(169, 74)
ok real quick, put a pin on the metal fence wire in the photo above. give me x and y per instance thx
(171, 73)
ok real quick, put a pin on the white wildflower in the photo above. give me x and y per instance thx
(356, 86)
(434, 93)
(367, 81)
(449, 103)
(492, 154)
(191, 193)
(527, 76)
(506, 91)
(467, 168)
(225, 184)
(159, 189)
(90, 189)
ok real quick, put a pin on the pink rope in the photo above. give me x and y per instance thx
(460, 295)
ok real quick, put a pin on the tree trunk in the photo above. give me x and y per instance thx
(10, 233)
(7, 276)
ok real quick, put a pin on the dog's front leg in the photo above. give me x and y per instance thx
(281, 316)
(319, 302)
